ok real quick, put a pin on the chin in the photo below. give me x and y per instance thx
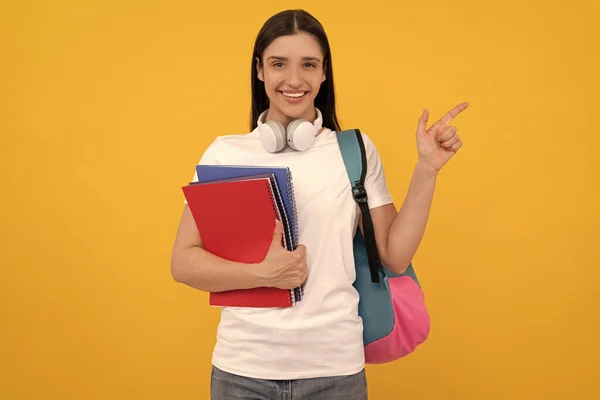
(296, 111)
(293, 112)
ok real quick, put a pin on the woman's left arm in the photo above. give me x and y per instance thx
(399, 234)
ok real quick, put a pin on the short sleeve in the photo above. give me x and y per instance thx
(211, 156)
(375, 184)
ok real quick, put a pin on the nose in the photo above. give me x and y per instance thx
(294, 77)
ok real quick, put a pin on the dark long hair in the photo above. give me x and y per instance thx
(285, 23)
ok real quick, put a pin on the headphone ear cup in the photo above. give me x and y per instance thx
(300, 134)
(272, 136)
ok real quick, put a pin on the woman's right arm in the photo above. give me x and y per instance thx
(193, 266)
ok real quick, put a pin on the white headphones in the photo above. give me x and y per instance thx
(300, 133)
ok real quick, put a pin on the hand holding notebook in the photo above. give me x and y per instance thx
(239, 218)
(282, 268)
(281, 181)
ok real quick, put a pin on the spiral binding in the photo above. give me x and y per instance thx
(290, 190)
(299, 291)
(292, 293)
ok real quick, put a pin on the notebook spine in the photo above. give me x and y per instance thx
(292, 293)
(291, 195)
(298, 292)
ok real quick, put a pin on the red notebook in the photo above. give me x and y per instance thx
(236, 220)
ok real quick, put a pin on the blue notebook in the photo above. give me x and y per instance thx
(283, 176)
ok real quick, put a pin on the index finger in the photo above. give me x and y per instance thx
(452, 113)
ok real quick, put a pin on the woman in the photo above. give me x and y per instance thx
(313, 350)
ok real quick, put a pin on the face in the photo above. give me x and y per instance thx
(292, 72)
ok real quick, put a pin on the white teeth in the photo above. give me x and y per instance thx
(293, 94)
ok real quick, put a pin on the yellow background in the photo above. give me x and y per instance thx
(105, 108)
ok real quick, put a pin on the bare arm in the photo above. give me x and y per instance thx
(193, 266)
(399, 234)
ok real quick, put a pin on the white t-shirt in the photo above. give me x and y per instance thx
(322, 334)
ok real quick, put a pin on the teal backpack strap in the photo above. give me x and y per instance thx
(355, 159)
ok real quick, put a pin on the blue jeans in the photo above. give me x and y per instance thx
(225, 386)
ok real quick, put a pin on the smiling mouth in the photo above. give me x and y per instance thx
(293, 95)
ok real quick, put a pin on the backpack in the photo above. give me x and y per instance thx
(392, 306)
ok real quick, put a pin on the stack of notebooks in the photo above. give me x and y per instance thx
(235, 208)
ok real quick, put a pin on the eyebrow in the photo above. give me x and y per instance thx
(303, 58)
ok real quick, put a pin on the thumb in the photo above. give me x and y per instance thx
(277, 235)
(422, 125)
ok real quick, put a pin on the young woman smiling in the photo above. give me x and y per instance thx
(313, 350)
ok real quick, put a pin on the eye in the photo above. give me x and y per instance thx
(278, 64)
(310, 65)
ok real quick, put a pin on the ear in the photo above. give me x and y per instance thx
(324, 71)
(259, 70)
